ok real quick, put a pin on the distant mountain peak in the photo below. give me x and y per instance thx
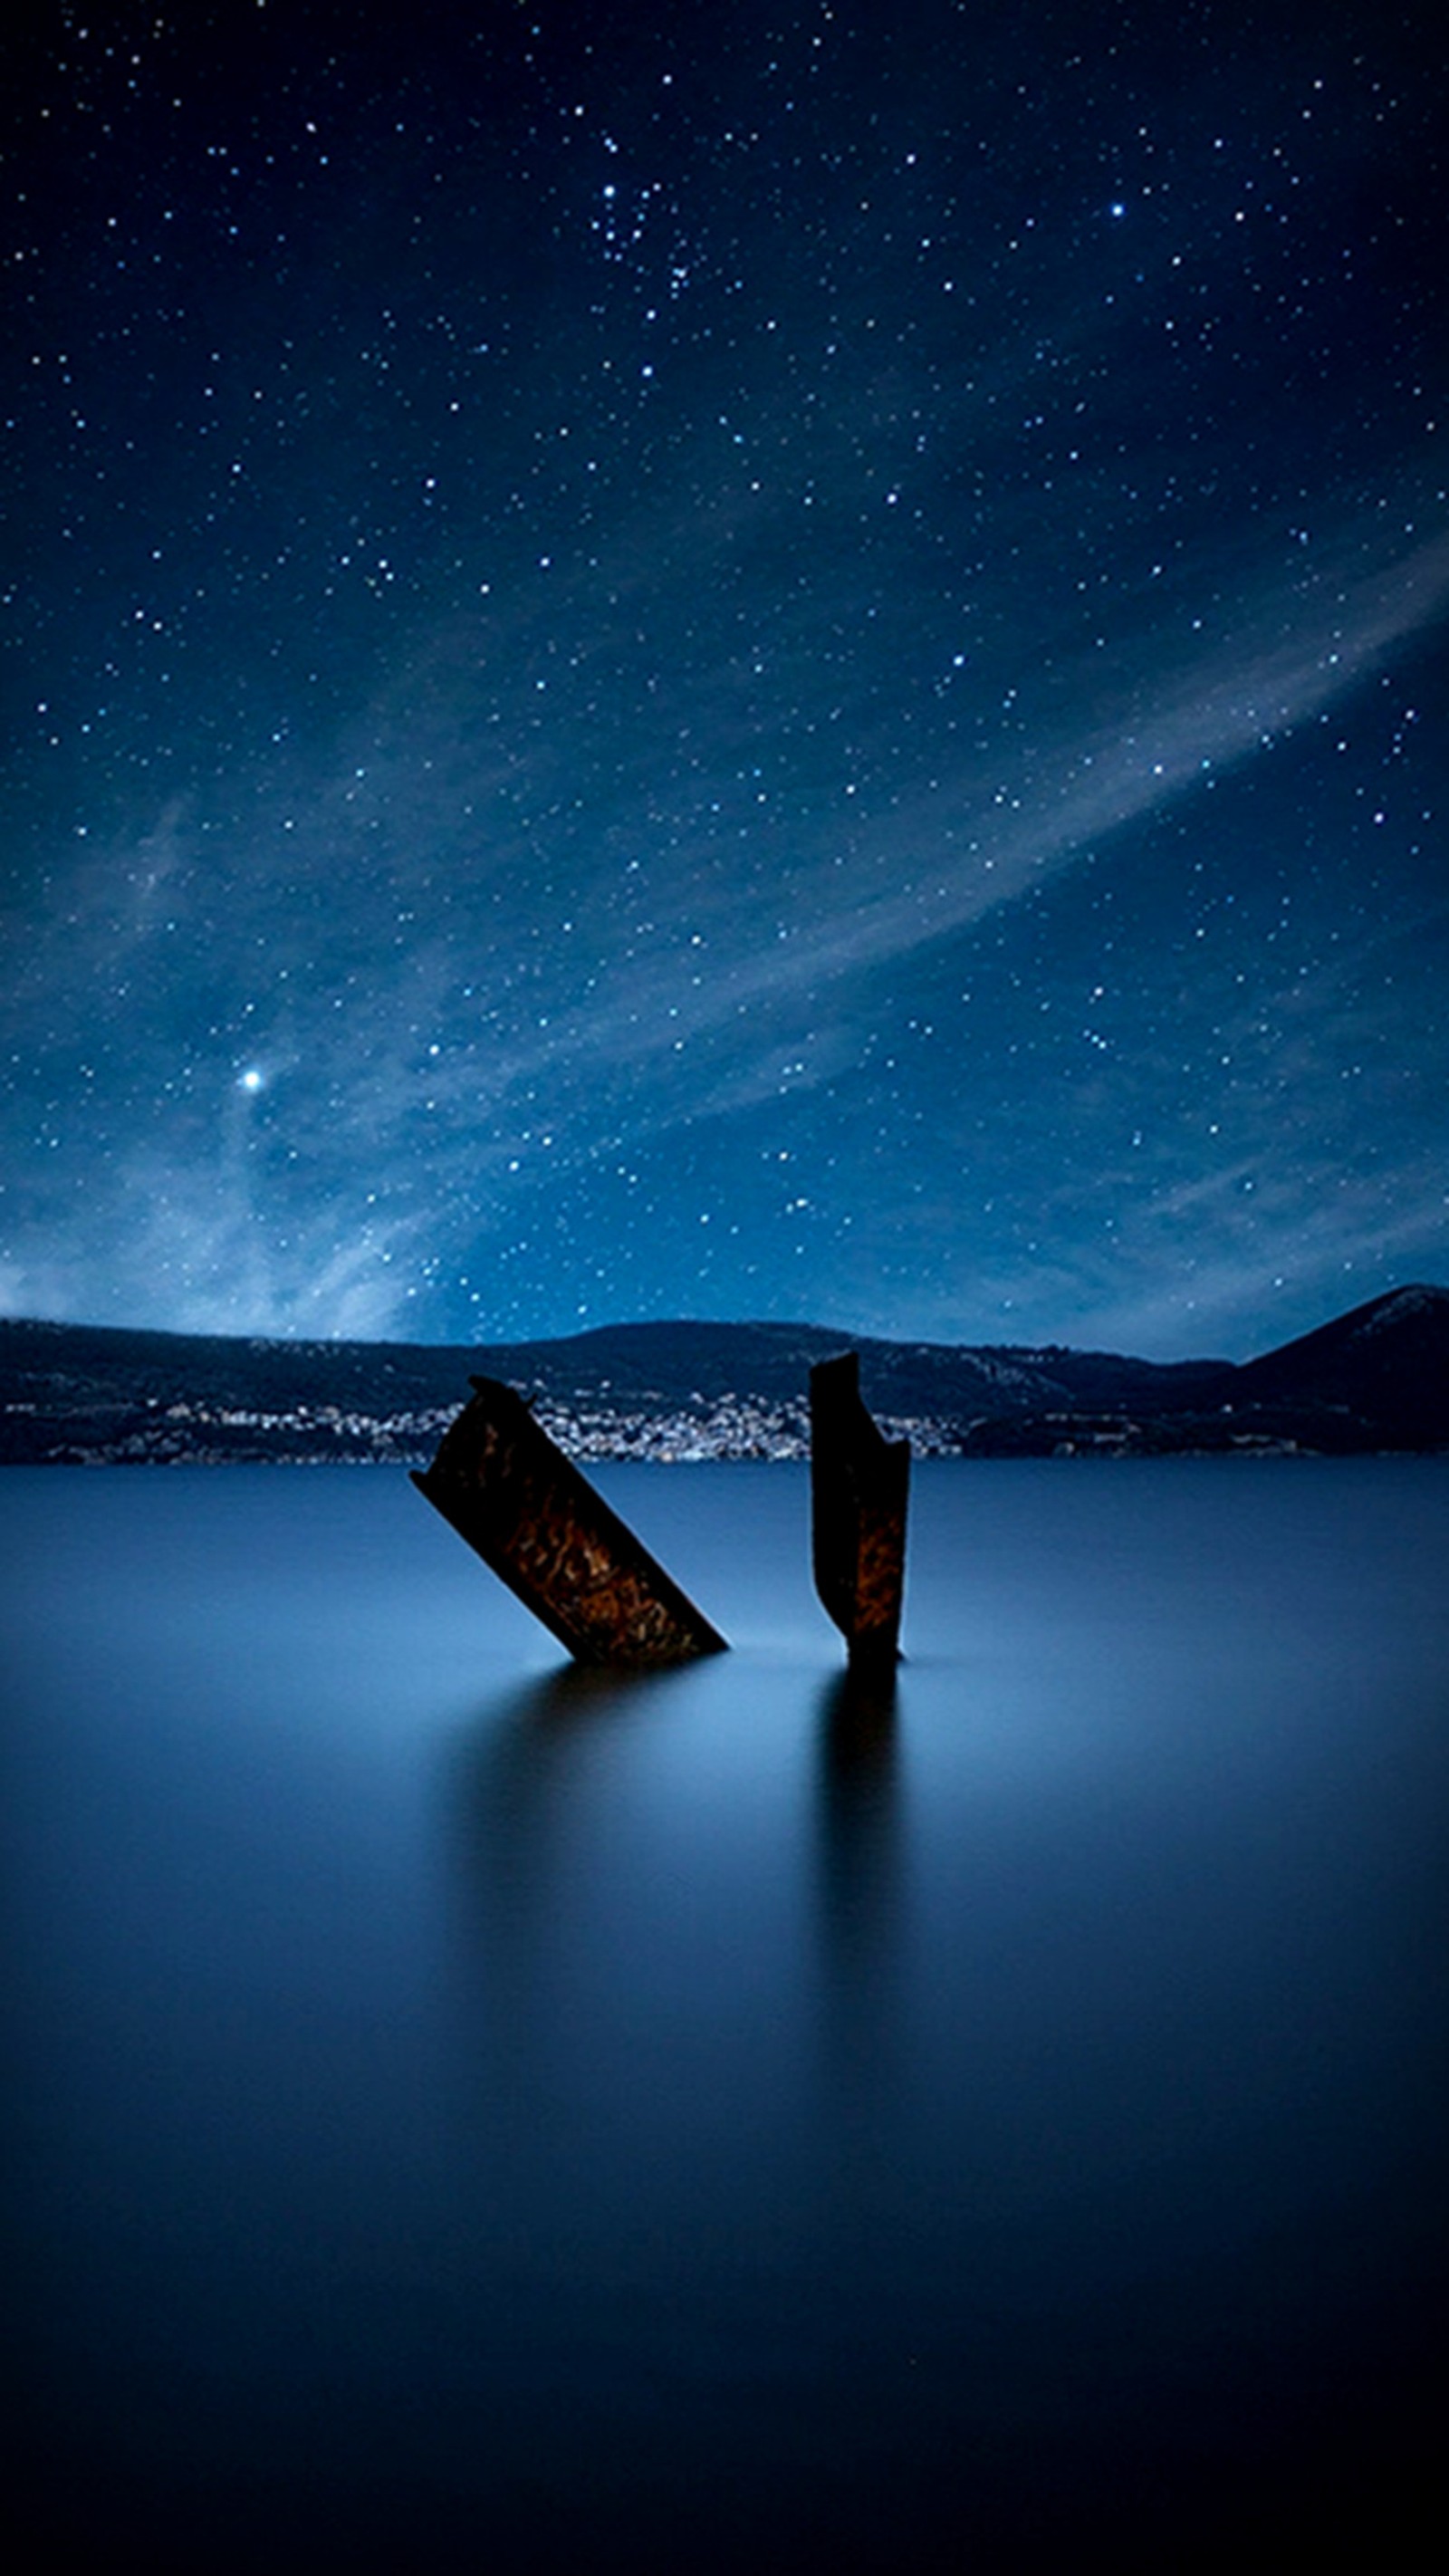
(1401, 1305)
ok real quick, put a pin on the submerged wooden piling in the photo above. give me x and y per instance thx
(508, 1489)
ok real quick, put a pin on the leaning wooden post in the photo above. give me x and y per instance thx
(513, 1495)
(858, 1487)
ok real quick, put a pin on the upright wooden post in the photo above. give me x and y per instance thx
(858, 1487)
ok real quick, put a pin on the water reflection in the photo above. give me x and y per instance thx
(859, 1821)
(523, 1756)
(685, 1867)
(523, 1782)
(862, 1880)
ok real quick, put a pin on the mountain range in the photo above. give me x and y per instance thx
(1376, 1378)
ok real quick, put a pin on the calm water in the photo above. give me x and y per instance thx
(467, 2114)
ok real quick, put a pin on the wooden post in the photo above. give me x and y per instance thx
(858, 1487)
(508, 1489)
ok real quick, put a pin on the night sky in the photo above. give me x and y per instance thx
(725, 660)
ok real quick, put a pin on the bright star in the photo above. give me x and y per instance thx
(251, 1080)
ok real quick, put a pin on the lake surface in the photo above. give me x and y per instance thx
(465, 2112)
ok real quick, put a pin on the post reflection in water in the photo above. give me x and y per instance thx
(525, 1787)
(860, 1838)
(862, 1881)
(606, 1824)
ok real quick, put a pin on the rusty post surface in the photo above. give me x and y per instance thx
(858, 1486)
(512, 1494)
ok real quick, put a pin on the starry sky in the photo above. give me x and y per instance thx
(732, 660)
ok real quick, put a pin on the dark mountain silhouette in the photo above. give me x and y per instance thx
(1386, 1361)
(1376, 1378)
